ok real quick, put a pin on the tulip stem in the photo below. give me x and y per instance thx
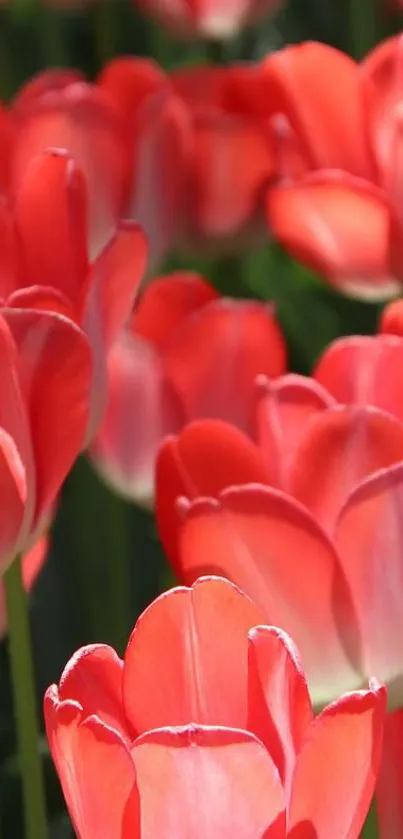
(363, 27)
(25, 709)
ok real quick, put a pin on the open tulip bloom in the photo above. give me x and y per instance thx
(206, 729)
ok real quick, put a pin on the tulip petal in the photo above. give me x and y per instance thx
(55, 370)
(81, 119)
(43, 298)
(391, 321)
(225, 781)
(93, 677)
(43, 83)
(208, 456)
(369, 540)
(9, 267)
(129, 81)
(338, 228)
(346, 445)
(142, 410)
(217, 355)
(331, 126)
(365, 370)
(389, 797)
(95, 769)
(284, 408)
(114, 282)
(166, 303)
(271, 547)
(186, 661)
(279, 707)
(337, 767)
(50, 219)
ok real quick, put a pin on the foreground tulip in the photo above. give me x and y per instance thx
(44, 263)
(207, 728)
(342, 215)
(188, 354)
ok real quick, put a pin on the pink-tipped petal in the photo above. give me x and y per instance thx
(271, 547)
(336, 770)
(186, 661)
(279, 707)
(201, 781)
(341, 447)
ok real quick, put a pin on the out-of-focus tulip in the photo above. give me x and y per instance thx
(46, 370)
(44, 263)
(392, 319)
(189, 354)
(212, 20)
(207, 728)
(340, 213)
(32, 564)
(158, 129)
(59, 109)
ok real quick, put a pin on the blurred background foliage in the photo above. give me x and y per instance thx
(74, 600)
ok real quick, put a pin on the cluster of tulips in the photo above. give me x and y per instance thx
(278, 497)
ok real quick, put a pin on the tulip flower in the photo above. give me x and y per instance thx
(213, 20)
(45, 362)
(207, 728)
(188, 354)
(59, 109)
(339, 210)
(44, 262)
(201, 160)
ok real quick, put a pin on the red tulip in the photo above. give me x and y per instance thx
(207, 727)
(305, 445)
(45, 363)
(44, 263)
(59, 109)
(189, 354)
(158, 132)
(212, 20)
(340, 213)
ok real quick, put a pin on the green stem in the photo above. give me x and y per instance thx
(25, 710)
(363, 28)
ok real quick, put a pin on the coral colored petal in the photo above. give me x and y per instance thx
(330, 124)
(82, 120)
(32, 564)
(10, 276)
(271, 547)
(95, 770)
(392, 319)
(50, 219)
(369, 540)
(186, 661)
(7, 143)
(279, 707)
(217, 354)
(340, 230)
(129, 81)
(142, 410)
(202, 781)
(336, 770)
(381, 78)
(55, 365)
(285, 406)
(166, 303)
(364, 370)
(208, 456)
(114, 281)
(93, 678)
(341, 447)
(43, 84)
(389, 793)
(232, 164)
(42, 298)
(158, 196)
